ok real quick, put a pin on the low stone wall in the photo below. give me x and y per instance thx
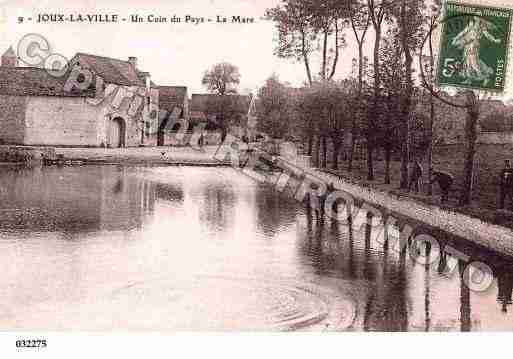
(23, 154)
(496, 138)
(174, 139)
(497, 238)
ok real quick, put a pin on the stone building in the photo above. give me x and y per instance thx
(174, 107)
(95, 102)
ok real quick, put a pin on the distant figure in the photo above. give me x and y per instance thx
(416, 175)
(506, 185)
(505, 289)
(313, 200)
(329, 190)
(445, 181)
(317, 202)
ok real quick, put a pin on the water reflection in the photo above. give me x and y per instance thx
(48, 199)
(113, 247)
(505, 284)
(465, 318)
(391, 279)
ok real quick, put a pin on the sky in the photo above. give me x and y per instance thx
(174, 54)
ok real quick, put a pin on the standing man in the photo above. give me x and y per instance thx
(506, 185)
(416, 175)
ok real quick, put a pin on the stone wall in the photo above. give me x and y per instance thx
(12, 119)
(449, 126)
(496, 138)
(129, 103)
(190, 139)
(61, 121)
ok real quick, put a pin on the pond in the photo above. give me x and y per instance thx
(192, 248)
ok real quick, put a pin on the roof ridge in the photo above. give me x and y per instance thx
(9, 51)
(171, 86)
(102, 57)
(216, 94)
(25, 68)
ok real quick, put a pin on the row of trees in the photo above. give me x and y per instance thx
(377, 103)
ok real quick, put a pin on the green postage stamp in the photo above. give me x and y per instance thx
(474, 47)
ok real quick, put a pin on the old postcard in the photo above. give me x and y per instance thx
(255, 166)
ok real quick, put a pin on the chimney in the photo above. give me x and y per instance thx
(133, 61)
(9, 58)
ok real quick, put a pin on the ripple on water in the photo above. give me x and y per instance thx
(232, 303)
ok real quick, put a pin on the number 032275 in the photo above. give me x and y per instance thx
(31, 343)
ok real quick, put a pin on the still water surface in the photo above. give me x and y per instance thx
(185, 248)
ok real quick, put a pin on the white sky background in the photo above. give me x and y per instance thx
(174, 54)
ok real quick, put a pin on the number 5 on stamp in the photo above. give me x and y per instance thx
(474, 47)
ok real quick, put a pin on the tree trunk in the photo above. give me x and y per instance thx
(351, 150)
(360, 90)
(318, 152)
(432, 114)
(371, 116)
(310, 143)
(336, 153)
(406, 106)
(324, 152)
(471, 137)
(388, 156)
(370, 164)
(430, 147)
(324, 54)
(305, 57)
(337, 51)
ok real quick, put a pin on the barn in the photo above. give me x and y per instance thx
(97, 102)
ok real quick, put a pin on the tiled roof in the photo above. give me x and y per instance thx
(113, 71)
(31, 81)
(171, 97)
(9, 53)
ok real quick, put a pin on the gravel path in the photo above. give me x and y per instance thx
(146, 155)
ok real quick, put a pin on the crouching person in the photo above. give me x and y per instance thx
(445, 182)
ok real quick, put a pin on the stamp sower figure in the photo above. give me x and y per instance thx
(445, 181)
(474, 68)
(506, 184)
(416, 175)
